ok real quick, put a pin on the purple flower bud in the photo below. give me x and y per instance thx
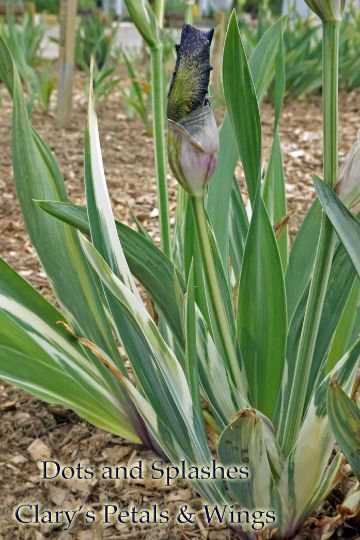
(193, 137)
(193, 148)
(347, 186)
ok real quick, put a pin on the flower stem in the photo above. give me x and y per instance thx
(160, 12)
(222, 335)
(159, 142)
(189, 11)
(326, 244)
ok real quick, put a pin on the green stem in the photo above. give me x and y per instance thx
(218, 316)
(160, 12)
(189, 11)
(159, 143)
(326, 244)
(331, 32)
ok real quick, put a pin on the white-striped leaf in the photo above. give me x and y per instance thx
(157, 369)
(306, 464)
(102, 225)
(243, 443)
(28, 328)
(147, 263)
(344, 418)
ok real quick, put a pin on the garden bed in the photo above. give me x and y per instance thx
(129, 167)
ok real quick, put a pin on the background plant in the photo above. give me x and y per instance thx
(302, 46)
(24, 41)
(263, 368)
(93, 39)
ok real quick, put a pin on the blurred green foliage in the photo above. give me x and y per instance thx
(303, 50)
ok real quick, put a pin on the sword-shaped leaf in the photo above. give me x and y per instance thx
(306, 464)
(51, 364)
(261, 317)
(241, 102)
(242, 443)
(302, 257)
(222, 395)
(37, 176)
(238, 228)
(261, 64)
(345, 224)
(191, 363)
(147, 263)
(344, 418)
(341, 279)
(274, 184)
(101, 219)
(154, 364)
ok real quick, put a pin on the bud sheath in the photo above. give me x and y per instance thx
(327, 10)
(347, 186)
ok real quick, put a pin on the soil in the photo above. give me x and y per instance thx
(31, 430)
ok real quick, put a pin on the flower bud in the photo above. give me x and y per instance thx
(145, 21)
(327, 10)
(193, 137)
(347, 186)
(193, 148)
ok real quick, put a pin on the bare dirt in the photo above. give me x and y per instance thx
(24, 419)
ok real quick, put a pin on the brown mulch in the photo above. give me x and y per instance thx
(24, 419)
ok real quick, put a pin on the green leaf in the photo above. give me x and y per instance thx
(274, 184)
(221, 394)
(37, 176)
(140, 227)
(103, 230)
(261, 64)
(147, 263)
(155, 366)
(50, 363)
(192, 256)
(261, 318)
(279, 81)
(305, 468)
(223, 280)
(263, 57)
(340, 282)
(134, 82)
(191, 365)
(302, 257)
(175, 448)
(241, 102)
(345, 224)
(242, 441)
(274, 194)
(238, 228)
(49, 383)
(101, 220)
(344, 328)
(355, 330)
(344, 418)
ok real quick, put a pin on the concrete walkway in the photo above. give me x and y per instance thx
(126, 37)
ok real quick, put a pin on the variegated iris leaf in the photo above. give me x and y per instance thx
(306, 480)
(344, 417)
(39, 356)
(243, 443)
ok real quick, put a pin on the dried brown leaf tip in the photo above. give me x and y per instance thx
(244, 413)
(333, 382)
(95, 350)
